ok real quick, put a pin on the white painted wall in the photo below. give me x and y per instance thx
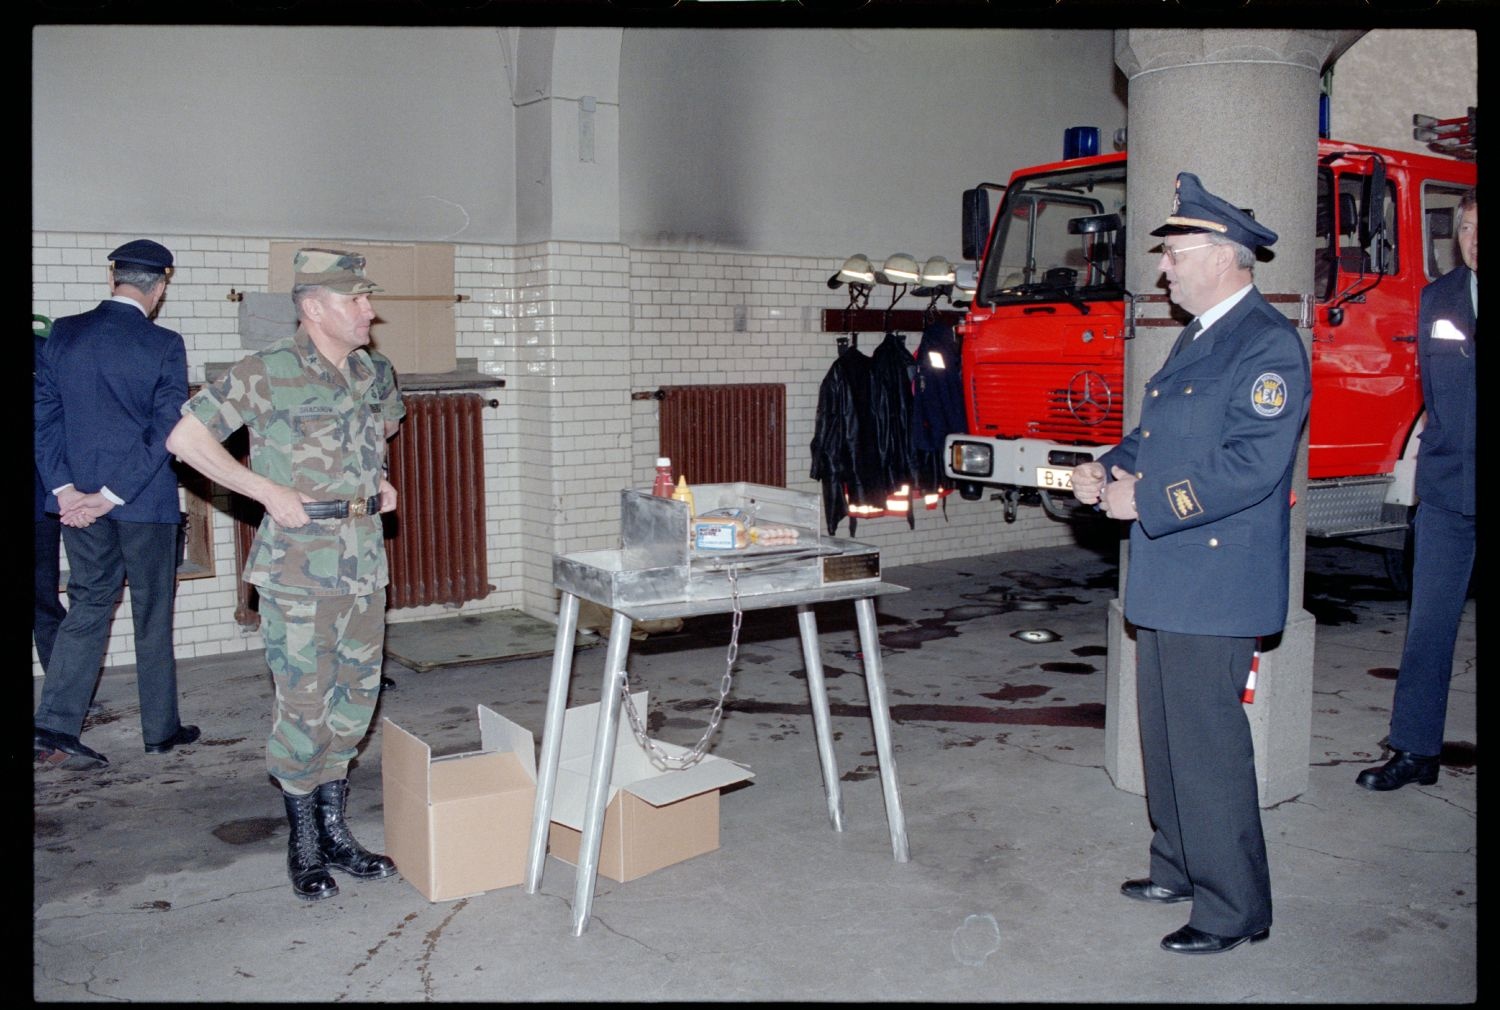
(1391, 74)
(368, 133)
(833, 141)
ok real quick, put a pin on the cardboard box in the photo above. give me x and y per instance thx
(654, 818)
(459, 824)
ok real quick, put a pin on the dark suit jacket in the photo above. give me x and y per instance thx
(41, 492)
(1446, 460)
(1215, 450)
(109, 386)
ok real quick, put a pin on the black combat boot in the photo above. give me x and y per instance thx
(336, 843)
(311, 880)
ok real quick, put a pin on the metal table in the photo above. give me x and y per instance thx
(861, 593)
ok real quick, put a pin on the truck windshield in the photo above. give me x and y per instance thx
(1059, 236)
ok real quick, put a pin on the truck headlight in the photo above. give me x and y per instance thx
(972, 459)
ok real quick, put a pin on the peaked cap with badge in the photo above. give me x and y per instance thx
(143, 254)
(1195, 210)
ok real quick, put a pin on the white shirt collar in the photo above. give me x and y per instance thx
(128, 301)
(1213, 315)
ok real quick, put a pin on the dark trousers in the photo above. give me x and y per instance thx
(1200, 778)
(100, 558)
(47, 612)
(1444, 546)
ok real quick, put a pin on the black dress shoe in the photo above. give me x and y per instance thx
(47, 743)
(1403, 767)
(1146, 890)
(184, 735)
(1188, 940)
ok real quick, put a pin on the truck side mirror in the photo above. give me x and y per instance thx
(976, 222)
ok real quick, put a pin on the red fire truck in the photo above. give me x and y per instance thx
(1044, 338)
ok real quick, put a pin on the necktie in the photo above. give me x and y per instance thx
(1189, 332)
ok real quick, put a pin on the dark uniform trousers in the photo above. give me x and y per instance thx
(101, 557)
(1200, 785)
(1444, 529)
(48, 612)
(1443, 561)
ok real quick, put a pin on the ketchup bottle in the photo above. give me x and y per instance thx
(664, 485)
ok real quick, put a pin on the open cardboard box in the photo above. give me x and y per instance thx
(654, 818)
(459, 824)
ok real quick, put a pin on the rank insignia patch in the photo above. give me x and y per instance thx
(1268, 395)
(1184, 503)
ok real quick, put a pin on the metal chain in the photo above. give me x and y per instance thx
(660, 758)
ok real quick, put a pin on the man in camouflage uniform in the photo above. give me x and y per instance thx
(319, 413)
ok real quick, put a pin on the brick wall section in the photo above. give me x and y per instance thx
(573, 328)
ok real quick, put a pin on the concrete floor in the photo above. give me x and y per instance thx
(163, 878)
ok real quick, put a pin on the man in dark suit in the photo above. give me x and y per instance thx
(109, 383)
(1444, 527)
(47, 611)
(1205, 482)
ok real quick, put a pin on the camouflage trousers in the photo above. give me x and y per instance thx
(325, 656)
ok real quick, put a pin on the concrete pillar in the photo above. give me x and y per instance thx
(567, 97)
(1239, 108)
(572, 384)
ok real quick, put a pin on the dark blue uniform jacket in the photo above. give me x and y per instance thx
(123, 380)
(1446, 460)
(1214, 452)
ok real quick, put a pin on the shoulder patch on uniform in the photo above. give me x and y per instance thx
(1184, 503)
(1268, 395)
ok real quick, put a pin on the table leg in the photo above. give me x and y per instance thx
(604, 760)
(880, 715)
(546, 773)
(817, 690)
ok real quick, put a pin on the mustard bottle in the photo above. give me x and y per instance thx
(683, 493)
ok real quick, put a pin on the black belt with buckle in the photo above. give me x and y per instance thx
(342, 509)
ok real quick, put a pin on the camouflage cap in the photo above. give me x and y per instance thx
(334, 269)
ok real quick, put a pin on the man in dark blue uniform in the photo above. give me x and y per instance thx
(1444, 527)
(1205, 483)
(109, 383)
(47, 611)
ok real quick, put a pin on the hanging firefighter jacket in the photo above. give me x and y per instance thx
(861, 447)
(843, 452)
(892, 369)
(937, 405)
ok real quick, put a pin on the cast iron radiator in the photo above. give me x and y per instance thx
(724, 434)
(435, 540)
(435, 545)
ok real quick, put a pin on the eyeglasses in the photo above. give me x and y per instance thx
(1172, 254)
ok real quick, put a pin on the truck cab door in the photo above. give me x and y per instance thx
(1365, 386)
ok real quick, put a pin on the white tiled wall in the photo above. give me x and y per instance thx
(573, 328)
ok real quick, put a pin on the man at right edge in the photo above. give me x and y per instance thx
(1444, 527)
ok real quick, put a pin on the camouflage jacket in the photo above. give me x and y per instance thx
(317, 430)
